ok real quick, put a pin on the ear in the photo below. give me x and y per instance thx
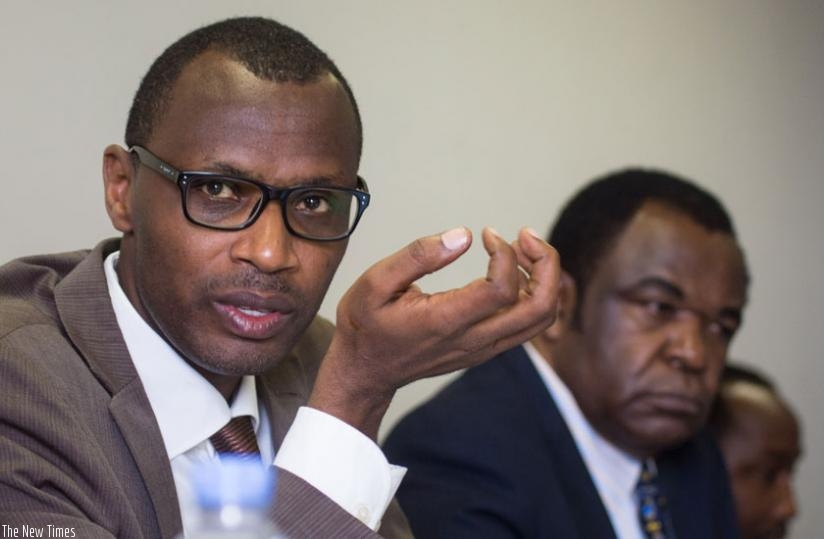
(567, 302)
(567, 296)
(118, 176)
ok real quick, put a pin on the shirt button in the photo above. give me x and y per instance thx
(363, 514)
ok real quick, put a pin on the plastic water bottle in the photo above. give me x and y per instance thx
(233, 498)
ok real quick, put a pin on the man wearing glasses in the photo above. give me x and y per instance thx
(123, 366)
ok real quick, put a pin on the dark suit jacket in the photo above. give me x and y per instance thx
(79, 444)
(491, 457)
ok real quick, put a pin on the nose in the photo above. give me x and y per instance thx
(786, 507)
(686, 348)
(267, 244)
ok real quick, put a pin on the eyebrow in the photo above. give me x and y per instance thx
(677, 292)
(660, 283)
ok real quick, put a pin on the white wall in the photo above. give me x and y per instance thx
(482, 112)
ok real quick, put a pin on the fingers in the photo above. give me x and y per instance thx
(529, 265)
(525, 272)
(541, 262)
(504, 288)
(502, 270)
(397, 272)
(390, 333)
(456, 310)
(535, 309)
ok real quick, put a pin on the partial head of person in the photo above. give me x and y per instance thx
(236, 193)
(760, 438)
(653, 289)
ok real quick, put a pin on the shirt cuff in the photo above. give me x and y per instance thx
(342, 463)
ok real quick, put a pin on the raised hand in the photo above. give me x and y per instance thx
(390, 333)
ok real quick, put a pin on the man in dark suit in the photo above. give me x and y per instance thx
(760, 438)
(592, 429)
(123, 367)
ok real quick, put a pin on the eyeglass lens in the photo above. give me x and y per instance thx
(230, 203)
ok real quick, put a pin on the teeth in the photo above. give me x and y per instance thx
(252, 312)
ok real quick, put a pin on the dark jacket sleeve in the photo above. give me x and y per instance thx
(453, 488)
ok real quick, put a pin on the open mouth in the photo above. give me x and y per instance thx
(252, 316)
(253, 312)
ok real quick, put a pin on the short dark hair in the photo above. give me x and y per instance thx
(720, 419)
(265, 47)
(593, 219)
(735, 372)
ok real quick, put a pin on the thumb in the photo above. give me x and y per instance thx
(398, 271)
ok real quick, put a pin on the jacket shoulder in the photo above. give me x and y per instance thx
(482, 409)
(27, 289)
(491, 389)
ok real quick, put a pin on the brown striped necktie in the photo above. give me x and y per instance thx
(237, 437)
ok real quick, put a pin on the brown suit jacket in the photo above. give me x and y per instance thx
(79, 444)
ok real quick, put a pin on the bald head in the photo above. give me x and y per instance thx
(760, 438)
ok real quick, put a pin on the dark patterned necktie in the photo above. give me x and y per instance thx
(652, 504)
(237, 437)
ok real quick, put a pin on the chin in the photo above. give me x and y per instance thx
(659, 437)
(779, 532)
(237, 359)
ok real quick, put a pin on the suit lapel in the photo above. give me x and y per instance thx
(85, 309)
(587, 515)
(287, 386)
(282, 391)
(142, 435)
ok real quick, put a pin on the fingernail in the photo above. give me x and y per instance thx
(534, 233)
(455, 238)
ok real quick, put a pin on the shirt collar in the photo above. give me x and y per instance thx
(188, 408)
(612, 469)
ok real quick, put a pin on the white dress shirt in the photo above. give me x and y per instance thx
(614, 472)
(329, 454)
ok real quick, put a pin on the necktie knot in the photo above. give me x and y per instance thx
(237, 437)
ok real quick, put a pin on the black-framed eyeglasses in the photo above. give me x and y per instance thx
(222, 202)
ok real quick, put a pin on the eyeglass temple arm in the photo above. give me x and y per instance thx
(362, 185)
(161, 167)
